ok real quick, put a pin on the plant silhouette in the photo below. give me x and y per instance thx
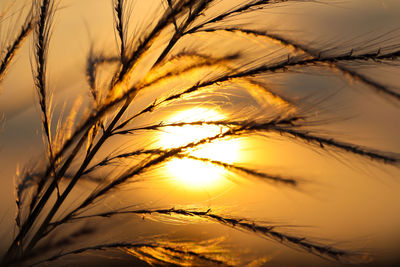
(204, 54)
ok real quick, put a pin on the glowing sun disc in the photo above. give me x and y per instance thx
(195, 172)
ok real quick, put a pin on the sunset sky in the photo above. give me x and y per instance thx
(342, 199)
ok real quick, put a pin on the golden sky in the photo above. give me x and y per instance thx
(343, 198)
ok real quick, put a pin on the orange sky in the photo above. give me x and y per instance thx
(344, 199)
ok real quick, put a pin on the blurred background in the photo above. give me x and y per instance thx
(345, 201)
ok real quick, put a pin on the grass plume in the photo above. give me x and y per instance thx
(10, 52)
(148, 76)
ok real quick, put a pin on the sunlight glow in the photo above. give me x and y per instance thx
(192, 173)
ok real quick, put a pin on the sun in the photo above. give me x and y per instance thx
(194, 171)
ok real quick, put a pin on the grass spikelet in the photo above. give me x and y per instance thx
(94, 61)
(42, 38)
(151, 253)
(120, 25)
(8, 56)
(268, 231)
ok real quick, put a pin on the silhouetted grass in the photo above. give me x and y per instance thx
(7, 54)
(75, 151)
